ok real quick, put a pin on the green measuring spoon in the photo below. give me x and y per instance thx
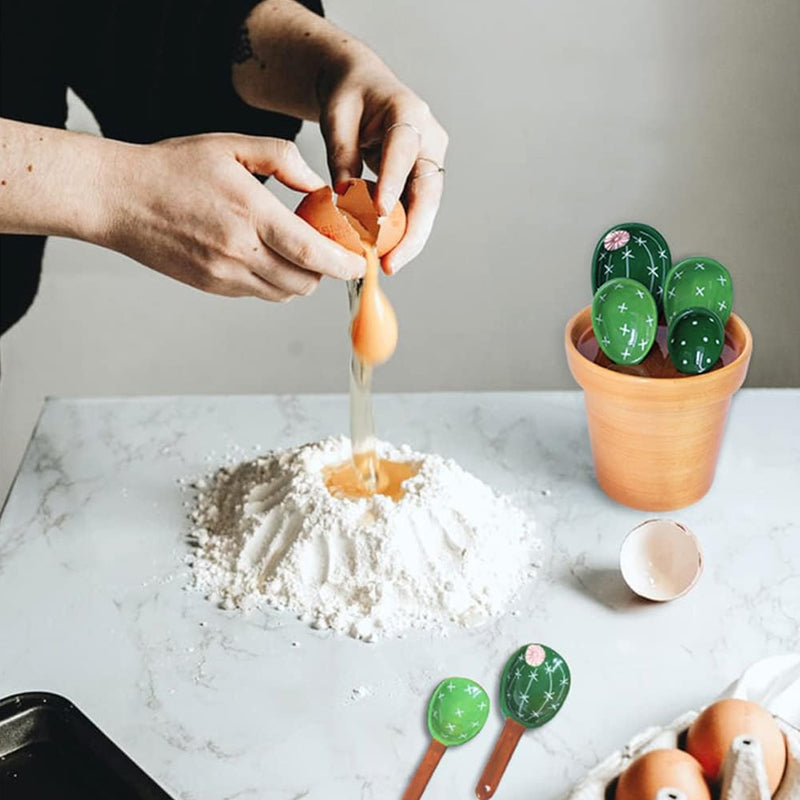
(457, 712)
(533, 688)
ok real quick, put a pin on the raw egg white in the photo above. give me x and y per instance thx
(713, 732)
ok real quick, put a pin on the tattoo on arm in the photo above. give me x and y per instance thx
(243, 49)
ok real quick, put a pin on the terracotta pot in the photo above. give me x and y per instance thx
(655, 441)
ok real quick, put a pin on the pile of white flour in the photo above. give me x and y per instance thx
(269, 533)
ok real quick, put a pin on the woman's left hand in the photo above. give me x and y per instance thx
(368, 115)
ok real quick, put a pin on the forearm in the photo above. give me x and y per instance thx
(286, 55)
(50, 180)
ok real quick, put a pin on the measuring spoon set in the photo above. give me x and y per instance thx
(533, 688)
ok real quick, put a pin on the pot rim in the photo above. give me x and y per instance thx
(587, 372)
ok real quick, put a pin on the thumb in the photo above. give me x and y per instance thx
(340, 128)
(280, 158)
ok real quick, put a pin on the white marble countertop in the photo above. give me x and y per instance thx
(216, 705)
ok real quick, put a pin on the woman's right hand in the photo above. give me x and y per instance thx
(192, 209)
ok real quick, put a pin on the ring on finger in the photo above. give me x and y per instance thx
(404, 125)
(373, 143)
(438, 170)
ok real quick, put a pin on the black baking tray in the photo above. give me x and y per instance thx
(50, 751)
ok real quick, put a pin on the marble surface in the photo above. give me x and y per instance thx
(217, 705)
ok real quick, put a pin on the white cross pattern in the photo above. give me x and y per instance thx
(625, 354)
(640, 294)
(722, 280)
(627, 255)
(649, 320)
(623, 307)
(450, 727)
(459, 713)
(598, 318)
(671, 294)
(652, 270)
(722, 305)
(678, 275)
(639, 240)
(609, 269)
(482, 705)
(699, 291)
(606, 341)
(523, 698)
(662, 254)
(643, 344)
(700, 266)
(603, 298)
(625, 329)
(450, 686)
(618, 287)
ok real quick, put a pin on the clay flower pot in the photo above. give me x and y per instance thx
(655, 441)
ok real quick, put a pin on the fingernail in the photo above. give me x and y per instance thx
(386, 201)
(341, 182)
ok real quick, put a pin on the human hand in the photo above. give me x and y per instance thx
(192, 209)
(368, 115)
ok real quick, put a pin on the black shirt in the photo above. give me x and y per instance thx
(147, 69)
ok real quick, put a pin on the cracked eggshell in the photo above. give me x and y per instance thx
(353, 217)
(660, 560)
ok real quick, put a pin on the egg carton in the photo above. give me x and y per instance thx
(743, 771)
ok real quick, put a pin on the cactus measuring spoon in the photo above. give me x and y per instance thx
(457, 712)
(533, 688)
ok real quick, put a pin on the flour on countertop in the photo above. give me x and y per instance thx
(268, 532)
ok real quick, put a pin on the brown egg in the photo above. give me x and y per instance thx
(662, 769)
(318, 210)
(355, 220)
(712, 733)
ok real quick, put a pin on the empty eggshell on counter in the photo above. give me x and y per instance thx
(661, 560)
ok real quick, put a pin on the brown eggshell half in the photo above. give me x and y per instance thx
(318, 210)
(358, 201)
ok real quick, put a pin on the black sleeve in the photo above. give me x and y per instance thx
(151, 69)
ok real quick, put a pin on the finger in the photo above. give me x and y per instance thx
(400, 150)
(234, 279)
(296, 241)
(284, 275)
(249, 284)
(340, 129)
(276, 157)
(424, 195)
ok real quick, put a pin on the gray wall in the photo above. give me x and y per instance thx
(565, 117)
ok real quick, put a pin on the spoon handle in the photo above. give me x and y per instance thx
(429, 762)
(498, 761)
